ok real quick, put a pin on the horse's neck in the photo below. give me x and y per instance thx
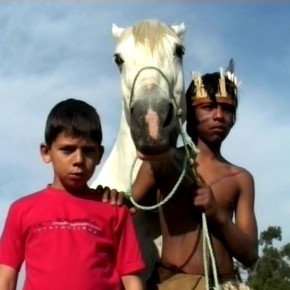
(116, 170)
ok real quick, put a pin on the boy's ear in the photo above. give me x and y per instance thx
(100, 154)
(45, 152)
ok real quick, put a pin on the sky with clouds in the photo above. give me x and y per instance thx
(52, 51)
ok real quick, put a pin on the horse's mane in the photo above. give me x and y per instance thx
(151, 33)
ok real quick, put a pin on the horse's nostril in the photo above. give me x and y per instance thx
(169, 116)
(136, 114)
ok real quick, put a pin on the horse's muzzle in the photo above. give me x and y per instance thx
(153, 126)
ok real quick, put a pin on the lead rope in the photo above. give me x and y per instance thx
(208, 253)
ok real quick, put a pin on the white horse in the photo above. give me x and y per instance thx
(149, 57)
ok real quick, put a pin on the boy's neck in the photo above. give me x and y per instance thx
(209, 150)
(79, 192)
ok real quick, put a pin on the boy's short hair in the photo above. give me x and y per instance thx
(211, 85)
(75, 118)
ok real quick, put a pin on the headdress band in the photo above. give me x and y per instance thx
(222, 96)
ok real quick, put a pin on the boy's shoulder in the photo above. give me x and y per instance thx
(236, 169)
(242, 175)
(28, 199)
(122, 210)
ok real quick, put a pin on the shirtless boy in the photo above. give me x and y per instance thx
(223, 191)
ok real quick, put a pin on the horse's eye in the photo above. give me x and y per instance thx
(179, 51)
(118, 59)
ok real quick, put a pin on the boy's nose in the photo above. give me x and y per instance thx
(218, 112)
(79, 157)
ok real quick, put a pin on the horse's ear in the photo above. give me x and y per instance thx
(179, 30)
(117, 31)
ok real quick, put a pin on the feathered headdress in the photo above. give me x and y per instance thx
(222, 96)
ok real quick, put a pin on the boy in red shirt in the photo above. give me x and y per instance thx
(67, 237)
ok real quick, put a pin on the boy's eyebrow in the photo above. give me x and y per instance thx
(92, 146)
(203, 105)
(64, 143)
(75, 145)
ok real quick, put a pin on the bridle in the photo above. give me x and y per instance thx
(185, 140)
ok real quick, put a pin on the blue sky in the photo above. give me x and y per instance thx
(51, 51)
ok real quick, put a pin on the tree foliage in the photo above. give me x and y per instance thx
(272, 270)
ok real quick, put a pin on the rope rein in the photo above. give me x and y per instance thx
(208, 253)
(208, 250)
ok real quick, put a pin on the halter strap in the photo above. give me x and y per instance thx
(138, 74)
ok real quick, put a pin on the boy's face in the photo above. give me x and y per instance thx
(73, 160)
(214, 121)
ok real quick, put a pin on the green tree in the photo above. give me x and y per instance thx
(272, 270)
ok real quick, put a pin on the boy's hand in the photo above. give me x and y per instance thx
(111, 196)
(204, 199)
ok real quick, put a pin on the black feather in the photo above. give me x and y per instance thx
(231, 66)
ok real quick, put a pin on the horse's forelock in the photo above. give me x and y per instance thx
(152, 34)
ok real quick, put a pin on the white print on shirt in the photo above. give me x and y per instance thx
(71, 225)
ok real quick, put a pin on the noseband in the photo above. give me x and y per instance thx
(138, 74)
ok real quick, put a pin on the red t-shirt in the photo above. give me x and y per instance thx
(70, 243)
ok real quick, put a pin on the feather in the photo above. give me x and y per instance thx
(231, 66)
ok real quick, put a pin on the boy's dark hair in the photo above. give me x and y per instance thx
(211, 85)
(75, 118)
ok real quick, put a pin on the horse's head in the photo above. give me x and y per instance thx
(149, 56)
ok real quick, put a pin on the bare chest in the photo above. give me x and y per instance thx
(224, 185)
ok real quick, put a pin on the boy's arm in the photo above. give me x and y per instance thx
(8, 278)
(144, 184)
(240, 237)
(244, 237)
(151, 172)
(141, 188)
(128, 255)
(132, 282)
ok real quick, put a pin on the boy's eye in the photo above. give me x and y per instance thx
(208, 107)
(229, 108)
(67, 150)
(89, 150)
